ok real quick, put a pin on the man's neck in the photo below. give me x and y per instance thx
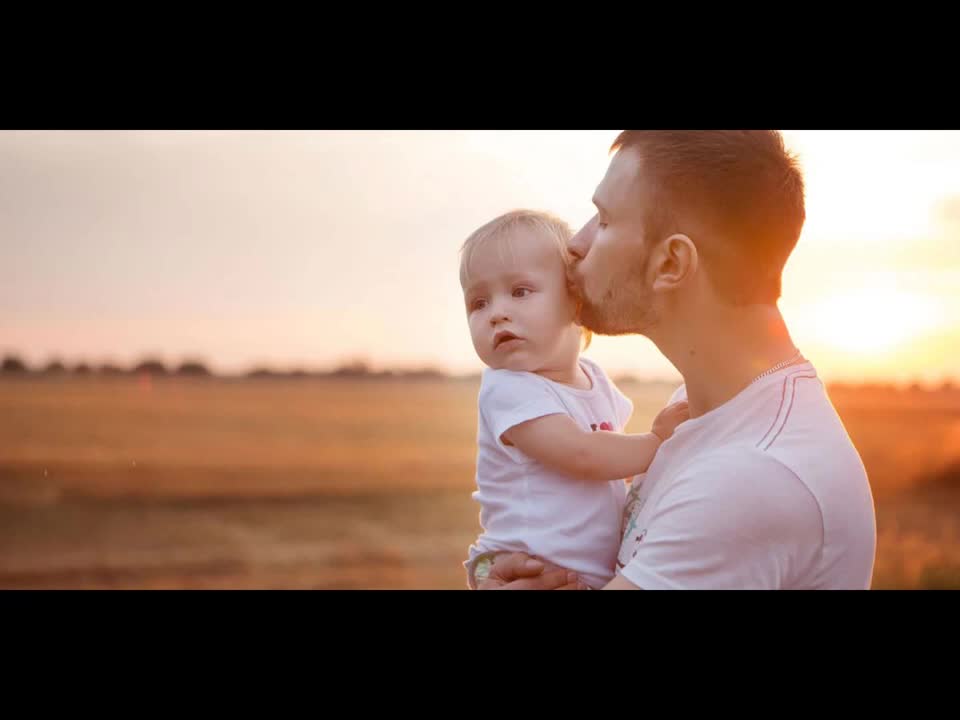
(721, 355)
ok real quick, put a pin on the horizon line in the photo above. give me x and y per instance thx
(12, 366)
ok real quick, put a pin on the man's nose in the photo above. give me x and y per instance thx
(579, 245)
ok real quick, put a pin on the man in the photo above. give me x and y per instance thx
(762, 487)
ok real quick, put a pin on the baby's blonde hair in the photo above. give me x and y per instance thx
(504, 227)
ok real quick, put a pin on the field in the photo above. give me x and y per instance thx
(316, 483)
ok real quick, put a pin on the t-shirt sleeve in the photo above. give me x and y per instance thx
(679, 394)
(744, 522)
(508, 398)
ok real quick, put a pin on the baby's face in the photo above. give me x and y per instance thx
(520, 314)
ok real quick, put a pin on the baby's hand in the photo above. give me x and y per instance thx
(668, 419)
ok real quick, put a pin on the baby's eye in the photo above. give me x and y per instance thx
(478, 304)
(521, 292)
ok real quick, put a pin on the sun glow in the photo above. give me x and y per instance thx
(871, 320)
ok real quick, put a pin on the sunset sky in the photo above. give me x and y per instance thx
(309, 249)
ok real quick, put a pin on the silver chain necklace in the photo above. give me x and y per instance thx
(779, 366)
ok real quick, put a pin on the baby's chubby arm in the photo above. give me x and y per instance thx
(559, 443)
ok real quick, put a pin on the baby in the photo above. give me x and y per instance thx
(552, 456)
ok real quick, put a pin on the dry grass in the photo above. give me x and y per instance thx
(341, 484)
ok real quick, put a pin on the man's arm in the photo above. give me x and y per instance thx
(559, 443)
(519, 571)
(619, 582)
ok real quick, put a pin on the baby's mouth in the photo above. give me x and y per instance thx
(503, 337)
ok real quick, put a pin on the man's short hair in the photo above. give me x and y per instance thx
(742, 189)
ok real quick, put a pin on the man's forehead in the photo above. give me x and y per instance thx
(620, 180)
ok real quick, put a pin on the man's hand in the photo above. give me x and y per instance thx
(519, 571)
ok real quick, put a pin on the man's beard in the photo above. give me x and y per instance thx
(625, 309)
(619, 313)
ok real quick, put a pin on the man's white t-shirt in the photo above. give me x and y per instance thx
(764, 492)
(530, 508)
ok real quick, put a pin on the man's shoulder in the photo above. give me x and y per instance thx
(735, 463)
(742, 487)
(798, 464)
(789, 414)
(807, 435)
(794, 403)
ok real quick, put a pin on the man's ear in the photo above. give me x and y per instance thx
(674, 263)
